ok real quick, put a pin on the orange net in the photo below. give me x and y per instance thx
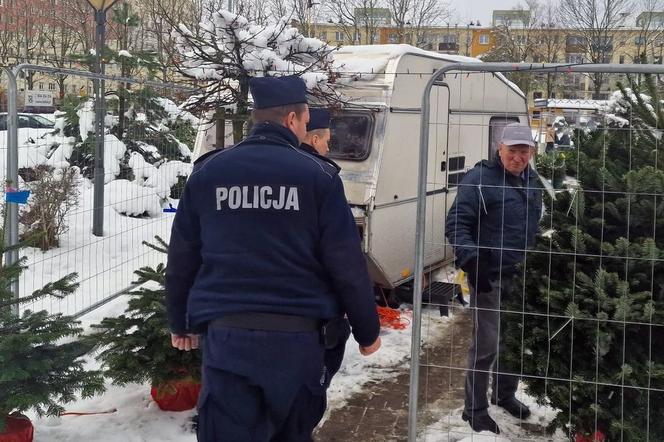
(392, 318)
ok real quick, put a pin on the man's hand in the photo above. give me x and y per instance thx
(477, 270)
(373, 348)
(184, 342)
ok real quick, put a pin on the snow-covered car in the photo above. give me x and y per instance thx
(27, 121)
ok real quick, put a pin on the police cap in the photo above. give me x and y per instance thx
(277, 91)
(318, 119)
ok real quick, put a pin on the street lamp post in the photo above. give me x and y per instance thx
(100, 7)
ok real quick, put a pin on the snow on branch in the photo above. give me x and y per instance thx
(225, 51)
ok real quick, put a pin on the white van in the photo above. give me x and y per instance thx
(375, 140)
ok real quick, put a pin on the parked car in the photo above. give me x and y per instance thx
(38, 110)
(27, 121)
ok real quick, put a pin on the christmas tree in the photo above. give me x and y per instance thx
(41, 364)
(585, 329)
(136, 346)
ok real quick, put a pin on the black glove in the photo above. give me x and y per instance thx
(477, 270)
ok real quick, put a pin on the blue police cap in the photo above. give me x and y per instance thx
(318, 119)
(277, 91)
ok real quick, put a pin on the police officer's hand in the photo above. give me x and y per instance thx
(184, 342)
(373, 348)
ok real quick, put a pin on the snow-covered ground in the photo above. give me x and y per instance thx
(451, 428)
(139, 419)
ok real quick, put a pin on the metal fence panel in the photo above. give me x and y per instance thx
(146, 159)
(619, 245)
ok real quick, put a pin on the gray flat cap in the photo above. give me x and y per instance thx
(517, 133)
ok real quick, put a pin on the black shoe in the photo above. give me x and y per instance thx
(514, 407)
(481, 422)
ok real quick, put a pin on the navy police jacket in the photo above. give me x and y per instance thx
(495, 213)
(265, 227)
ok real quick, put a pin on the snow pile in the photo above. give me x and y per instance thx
(141, 168)
(114, 151)
(166, 176)
(128, 198)
(86, 119)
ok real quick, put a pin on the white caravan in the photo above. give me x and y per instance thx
(375, 140)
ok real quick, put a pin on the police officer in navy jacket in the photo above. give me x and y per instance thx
(264, 260)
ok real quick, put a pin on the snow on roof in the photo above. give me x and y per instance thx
(368, 60)
(364, 62)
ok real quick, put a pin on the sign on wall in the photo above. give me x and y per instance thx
(38, 99)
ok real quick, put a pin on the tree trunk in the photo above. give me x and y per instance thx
(238, 129)
(220, 126)
(597, 85)
(62, 87)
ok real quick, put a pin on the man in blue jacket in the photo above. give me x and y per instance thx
(493, 221)
(265, 259)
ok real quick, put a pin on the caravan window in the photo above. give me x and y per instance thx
(351, 135)
(496, 126)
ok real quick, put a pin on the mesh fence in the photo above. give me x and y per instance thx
(147, 150)
(561, 264)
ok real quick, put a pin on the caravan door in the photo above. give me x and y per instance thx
(437, 175)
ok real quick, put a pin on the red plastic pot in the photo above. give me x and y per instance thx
(18, 428)
(176, 395)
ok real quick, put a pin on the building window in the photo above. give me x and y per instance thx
(322, 36)
(658, 59)
(622, 59)
(640, 40)
(41, 86)
(484, 39)
(393, 38)
(357, 37)
(51, 86)
(339, 36)
(574, 58)
(521, 40)
(537, 95)
(449, 38)
(575, 40)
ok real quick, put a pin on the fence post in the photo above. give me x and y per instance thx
(100, 118)
(11, 209)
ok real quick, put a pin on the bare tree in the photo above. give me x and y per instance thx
(549, 41)
(357, 18)
(414, 15)
(595, 23)
(426, 13)
(61, 39)
(518, 42)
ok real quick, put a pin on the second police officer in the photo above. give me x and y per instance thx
(265, 260)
